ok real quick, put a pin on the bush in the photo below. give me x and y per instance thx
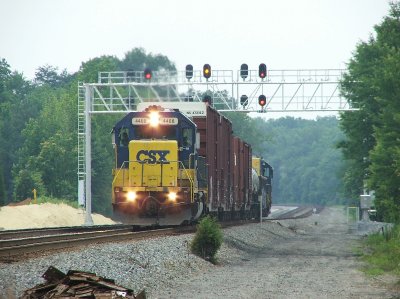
(208, 239)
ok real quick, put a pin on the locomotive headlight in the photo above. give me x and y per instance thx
(131, 196)
(172, 196)
(154, 119)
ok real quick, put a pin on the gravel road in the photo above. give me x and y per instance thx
(305, 258)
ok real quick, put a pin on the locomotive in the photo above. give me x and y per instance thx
(174, 165)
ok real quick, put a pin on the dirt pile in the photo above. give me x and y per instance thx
(45, 215)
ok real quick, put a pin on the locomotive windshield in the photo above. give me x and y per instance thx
(161, 132)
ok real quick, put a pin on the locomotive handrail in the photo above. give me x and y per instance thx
(162, 163)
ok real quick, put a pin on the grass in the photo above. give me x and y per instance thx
(45, 199)
(382, 252)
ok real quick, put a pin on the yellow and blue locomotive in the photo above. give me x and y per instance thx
(154, 178)
(171, 168)
(262, 184)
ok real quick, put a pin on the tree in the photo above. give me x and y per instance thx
(25, 182)
(89, 70)
(372, 135)
(137, 60)
(15, 110)
(49, 75)
(49, 145)
(3, 193)
(302, 152)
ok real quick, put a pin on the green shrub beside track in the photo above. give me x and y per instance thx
(208, 239)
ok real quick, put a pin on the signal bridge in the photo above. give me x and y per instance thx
(284, 90)
(226, 90)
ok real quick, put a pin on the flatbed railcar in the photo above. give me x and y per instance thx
(174, 165)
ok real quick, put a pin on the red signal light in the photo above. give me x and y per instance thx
(262, 100)
(147, 74)
(262, 70)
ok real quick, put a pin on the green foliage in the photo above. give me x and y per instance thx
(48, 75)
(3, 193)
(372, 146)
(383, 252)
(89, 70)
(302, 152)
(15, 109)
(38, 122)
(137, 60)
(25, 182)
(208, 239)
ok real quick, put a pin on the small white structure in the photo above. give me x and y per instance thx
(366, 203)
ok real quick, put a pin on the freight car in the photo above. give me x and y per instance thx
(174, 165)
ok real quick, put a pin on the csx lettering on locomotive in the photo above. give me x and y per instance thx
(152, 156)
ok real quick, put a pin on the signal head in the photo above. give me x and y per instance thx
(147, 73)
(243, 100)
(189, 71)
(262, 70)
(207, 71)
(262, 100)
(244, 71)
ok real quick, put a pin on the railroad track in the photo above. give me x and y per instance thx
(299, 212)
(51, 239)
(17, 243)
(33, 232)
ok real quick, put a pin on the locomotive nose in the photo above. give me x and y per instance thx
(151, 206)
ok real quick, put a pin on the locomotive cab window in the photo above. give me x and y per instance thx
(124, 137)
(187, 137)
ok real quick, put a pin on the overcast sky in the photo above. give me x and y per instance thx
(284, 34)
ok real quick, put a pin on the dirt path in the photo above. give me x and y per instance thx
(307, 258)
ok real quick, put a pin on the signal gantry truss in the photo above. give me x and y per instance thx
(285, 90)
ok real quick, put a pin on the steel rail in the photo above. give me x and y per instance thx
(42, 240)
(18, 247)
(32, 232)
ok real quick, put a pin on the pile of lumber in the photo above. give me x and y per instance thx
(77, 284)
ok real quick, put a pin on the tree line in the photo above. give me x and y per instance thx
(372, 144)
(307, 164)
(38, 129)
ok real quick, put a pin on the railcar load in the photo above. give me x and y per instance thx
(174, 165)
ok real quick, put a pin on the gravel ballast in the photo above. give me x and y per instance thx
(304, 258)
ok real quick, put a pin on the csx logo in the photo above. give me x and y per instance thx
(152, 156)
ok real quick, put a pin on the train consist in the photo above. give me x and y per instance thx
(174, 165)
